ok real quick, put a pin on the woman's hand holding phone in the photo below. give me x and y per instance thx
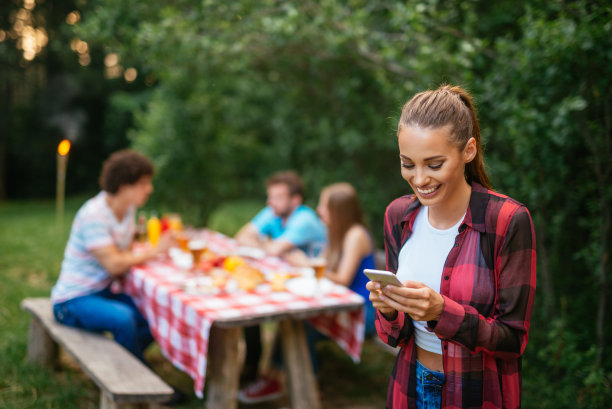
(415, 299)
(388, 295)
(375, 288)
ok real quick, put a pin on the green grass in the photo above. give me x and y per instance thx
(31, 249)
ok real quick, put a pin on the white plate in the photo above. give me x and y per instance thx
(252, 252)
(180, 258)
(308, 286)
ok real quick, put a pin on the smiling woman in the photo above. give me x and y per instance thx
(465, 256)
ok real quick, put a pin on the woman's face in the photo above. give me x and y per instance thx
(432, 165)
(322, 208)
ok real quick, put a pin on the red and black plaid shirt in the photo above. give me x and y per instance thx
(488, 285)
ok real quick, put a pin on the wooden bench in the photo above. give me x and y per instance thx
(124, 381)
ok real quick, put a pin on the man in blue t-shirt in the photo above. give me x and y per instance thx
(285, 224)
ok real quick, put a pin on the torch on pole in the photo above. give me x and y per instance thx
(62, 162)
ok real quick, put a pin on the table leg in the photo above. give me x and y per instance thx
(223, 372)
(301, 381)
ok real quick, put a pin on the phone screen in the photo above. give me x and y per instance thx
(383, 277)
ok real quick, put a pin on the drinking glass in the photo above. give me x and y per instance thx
(317, 262)
(197, 247)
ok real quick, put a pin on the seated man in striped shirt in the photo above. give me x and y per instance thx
(99, 250)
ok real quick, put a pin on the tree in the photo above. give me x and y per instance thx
(551, 115)
(53, 87)
(241, 89)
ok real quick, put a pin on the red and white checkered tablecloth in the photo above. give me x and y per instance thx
(180, 320)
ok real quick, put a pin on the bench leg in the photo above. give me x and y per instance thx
(300, 376)
(223, 372)
(106, 402)
(42, 348)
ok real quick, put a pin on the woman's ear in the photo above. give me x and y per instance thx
(470, 150)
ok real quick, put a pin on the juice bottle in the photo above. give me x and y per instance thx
(154, 229)
(141, 227)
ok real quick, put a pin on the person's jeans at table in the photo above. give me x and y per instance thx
(108, 311)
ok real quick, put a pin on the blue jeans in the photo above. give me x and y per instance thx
(428, 388)
(107, 311)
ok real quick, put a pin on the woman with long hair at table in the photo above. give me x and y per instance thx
(350, 248)
(350, 251)
(466, 258)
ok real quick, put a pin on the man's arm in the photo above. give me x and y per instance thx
(277, 247)
(248, 235)
(118, 262)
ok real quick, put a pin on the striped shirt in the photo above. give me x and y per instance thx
(488, 285)
(95, 226)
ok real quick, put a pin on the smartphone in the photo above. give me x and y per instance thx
(382, 276)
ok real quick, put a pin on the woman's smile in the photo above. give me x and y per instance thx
(427, 192)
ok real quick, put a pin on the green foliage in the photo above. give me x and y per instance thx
(229, 92)
(229, 217)
(577, 378)
(246, 89)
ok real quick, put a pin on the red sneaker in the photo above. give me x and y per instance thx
(262, 390)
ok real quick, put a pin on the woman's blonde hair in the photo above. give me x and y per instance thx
(449, 105)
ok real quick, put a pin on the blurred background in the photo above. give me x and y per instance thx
(221, 94)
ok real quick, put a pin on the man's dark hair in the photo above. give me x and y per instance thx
(124, 167)
(289, 178)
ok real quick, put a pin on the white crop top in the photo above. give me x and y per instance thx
(422, 259)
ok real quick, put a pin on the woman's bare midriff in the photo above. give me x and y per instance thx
(430, 360)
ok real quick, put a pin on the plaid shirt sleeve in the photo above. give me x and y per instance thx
(504, 334)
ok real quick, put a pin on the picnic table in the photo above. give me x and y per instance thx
(199, 332)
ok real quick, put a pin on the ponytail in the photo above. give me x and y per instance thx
(449, 105)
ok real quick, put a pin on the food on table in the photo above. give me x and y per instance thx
(219, 278)
(232, 262)
(247, 277)
(277, 283)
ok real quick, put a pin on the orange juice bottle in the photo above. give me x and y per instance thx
(154, 229)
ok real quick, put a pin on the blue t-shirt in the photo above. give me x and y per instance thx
(301, 228)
